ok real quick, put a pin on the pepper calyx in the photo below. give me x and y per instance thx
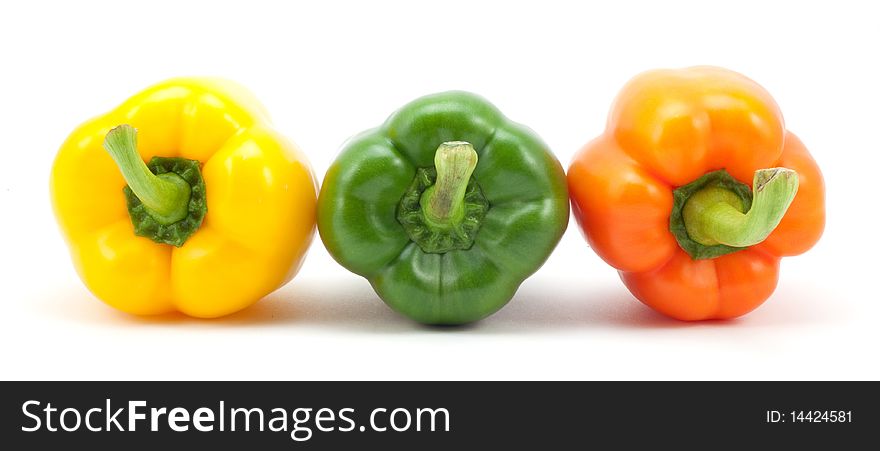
(716, 180)
(176, 233)
(165, 198)
(443, 208)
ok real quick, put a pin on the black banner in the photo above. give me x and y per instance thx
(437, 415)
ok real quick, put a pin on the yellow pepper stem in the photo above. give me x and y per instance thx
(165, 196)
(715, 215)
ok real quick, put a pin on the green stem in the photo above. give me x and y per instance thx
(443, 203)
(165, 196)
(715, 215)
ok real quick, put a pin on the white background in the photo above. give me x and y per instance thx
(328, 71)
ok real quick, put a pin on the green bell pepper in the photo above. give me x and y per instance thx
(446, 208)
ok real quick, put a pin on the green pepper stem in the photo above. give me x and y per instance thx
(715, 215)
(443, 203)
(165, 196)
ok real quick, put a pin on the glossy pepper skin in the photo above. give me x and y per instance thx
(360, 209)
(260, 195)
(666, 129)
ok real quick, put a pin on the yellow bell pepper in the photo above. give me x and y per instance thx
(257, 187)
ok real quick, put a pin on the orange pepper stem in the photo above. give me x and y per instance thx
(165, 196)
(443, 203)
(715, 215)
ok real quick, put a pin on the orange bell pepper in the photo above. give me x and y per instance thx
(664, 194)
